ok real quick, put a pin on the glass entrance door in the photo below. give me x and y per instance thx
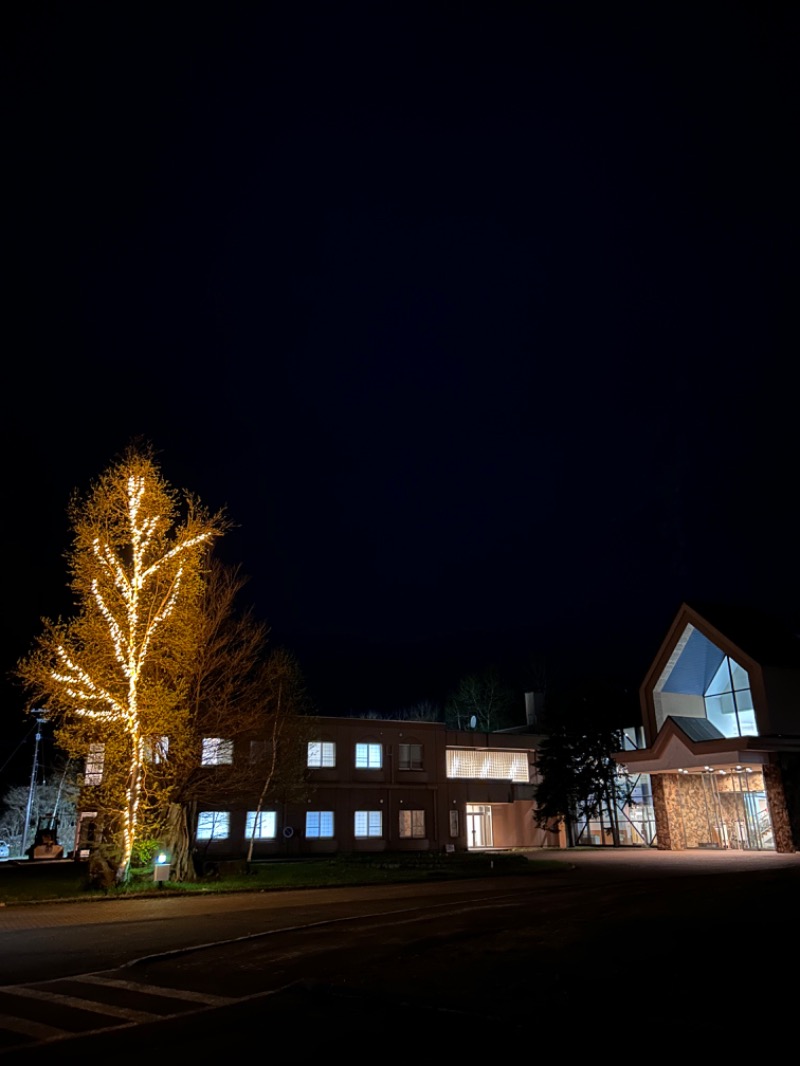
(479, 825)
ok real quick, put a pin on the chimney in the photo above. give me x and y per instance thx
(534, 707)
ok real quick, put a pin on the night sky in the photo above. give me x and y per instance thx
(479, 320)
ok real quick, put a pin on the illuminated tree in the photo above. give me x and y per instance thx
(112, 678)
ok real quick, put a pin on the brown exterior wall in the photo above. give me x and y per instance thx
(343, 790)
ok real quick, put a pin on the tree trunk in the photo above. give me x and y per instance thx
(177, 843)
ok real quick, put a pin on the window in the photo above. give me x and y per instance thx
(217, 752)
(495, 765)
(369, 823)
(319, 823)
(264, 824)
(369, 756)
(412, 823)
(321, 753)
(156, 748)
(453, 823)
(93, 771)
(410, 757)
(213, 825)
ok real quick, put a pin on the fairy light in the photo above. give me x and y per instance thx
(130, 639)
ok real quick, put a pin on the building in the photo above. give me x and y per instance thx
(387, 785)
(715, 764)
(719, 750)
(375, 785)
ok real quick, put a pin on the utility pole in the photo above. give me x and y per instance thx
(40, 717)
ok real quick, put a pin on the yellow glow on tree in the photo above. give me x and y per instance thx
(113, 674)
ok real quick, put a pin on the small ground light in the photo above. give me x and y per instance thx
(161, 869)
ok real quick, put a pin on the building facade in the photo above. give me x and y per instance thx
(386, 785)
(719, 755)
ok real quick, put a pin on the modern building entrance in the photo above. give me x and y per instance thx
(479, 826)
(719, 809)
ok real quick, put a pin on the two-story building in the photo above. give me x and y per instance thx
(387, 785)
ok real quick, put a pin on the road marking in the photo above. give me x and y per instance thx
(91, 1005)
(208, 999)
(36, 1030)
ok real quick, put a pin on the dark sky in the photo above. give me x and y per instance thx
(480, 320)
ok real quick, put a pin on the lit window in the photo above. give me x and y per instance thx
(213, 825)
(321, 753)
(217, 752)
(260, 825)
(412, 824)
(93, 771)
(369, 756)
(410, 757)
(156, 748)
(319, 823)
(369, 823)
(494, 765)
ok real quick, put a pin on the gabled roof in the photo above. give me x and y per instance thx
(749, 635)
(675, 747)
(767, 639)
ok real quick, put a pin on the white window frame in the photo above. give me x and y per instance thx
(367, 824)
(319, 824)
(213, 825)
(156, 749)
(216, 752)
(369, 756)
(93, 767)
(412, 824)
(321, 754)
(264, 823)
(406, 756)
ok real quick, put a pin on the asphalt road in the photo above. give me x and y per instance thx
(640, 943)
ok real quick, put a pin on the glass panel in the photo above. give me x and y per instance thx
(721, 681)
(213, 825)
(264, 823)
(720, 712)
(93, 774)
(368, 757)
(319, 823)
(740, 676)
(747, 723)
(410, 757)
(497, 765)
(217, 752)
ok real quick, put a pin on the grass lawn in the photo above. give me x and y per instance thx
(30, 881)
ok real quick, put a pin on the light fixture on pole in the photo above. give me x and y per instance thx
(40, 717)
